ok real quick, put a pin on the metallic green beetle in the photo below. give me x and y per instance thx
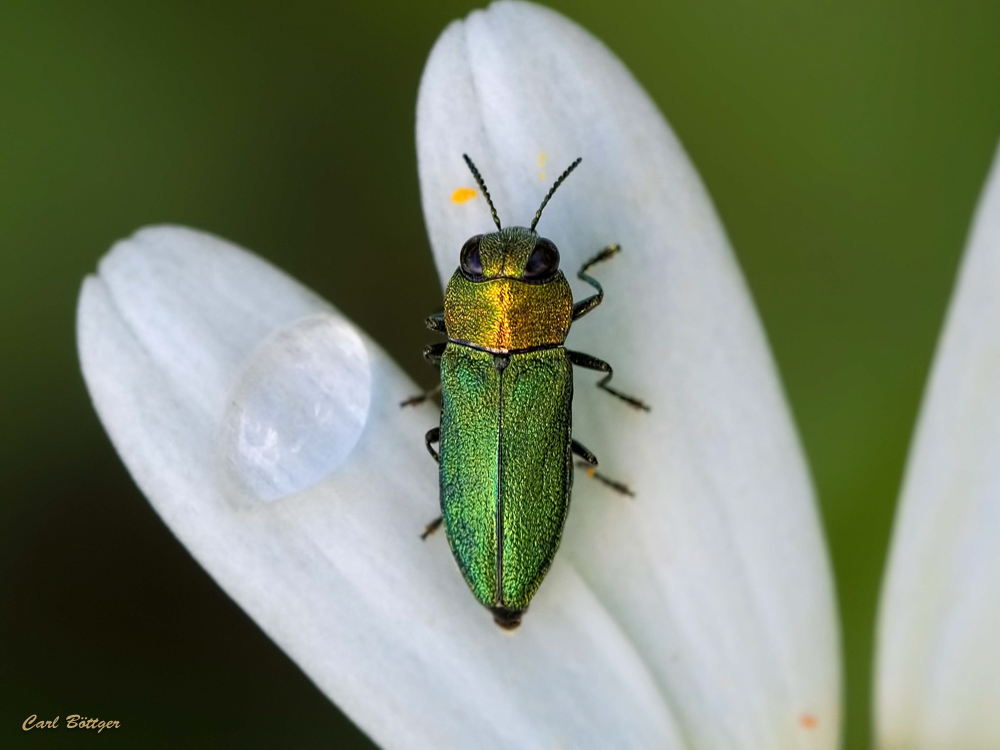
(505, 439)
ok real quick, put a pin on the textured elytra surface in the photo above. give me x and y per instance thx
(536, 467)
(470, 436)
(505, 453)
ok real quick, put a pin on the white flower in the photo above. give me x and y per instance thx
(938, 665)
(266, 432)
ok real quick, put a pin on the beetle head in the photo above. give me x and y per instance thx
(511, 253)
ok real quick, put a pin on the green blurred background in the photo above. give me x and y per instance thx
(845, 145)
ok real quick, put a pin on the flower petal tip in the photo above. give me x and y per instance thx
(252, 362)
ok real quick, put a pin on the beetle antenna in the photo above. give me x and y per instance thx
(482, 186)
(563, 176)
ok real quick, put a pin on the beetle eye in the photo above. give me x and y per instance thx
(544, 261)
(471, 263)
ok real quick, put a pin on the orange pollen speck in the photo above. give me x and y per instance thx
(463, 194)
(808, 721)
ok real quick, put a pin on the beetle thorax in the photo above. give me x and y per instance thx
(506, 314)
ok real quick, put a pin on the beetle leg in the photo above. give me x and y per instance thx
(583, 453)
(433, 436)
(593, 363)
(432, 353)
(608, 481)
(421, 397)
(436, 322)
(583, 307)
(431, 527)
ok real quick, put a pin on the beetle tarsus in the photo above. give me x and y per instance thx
(614, 484)
(593, 363)
(431, 528)
(630, 400)
(421, 397)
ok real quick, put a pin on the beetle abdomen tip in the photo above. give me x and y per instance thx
(508, 619)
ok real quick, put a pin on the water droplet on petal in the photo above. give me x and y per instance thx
(298, 407)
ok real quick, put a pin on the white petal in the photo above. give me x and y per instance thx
(716, 572)
(938, 667)
(180, 329)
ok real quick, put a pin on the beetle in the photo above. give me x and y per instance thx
(505, 437)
